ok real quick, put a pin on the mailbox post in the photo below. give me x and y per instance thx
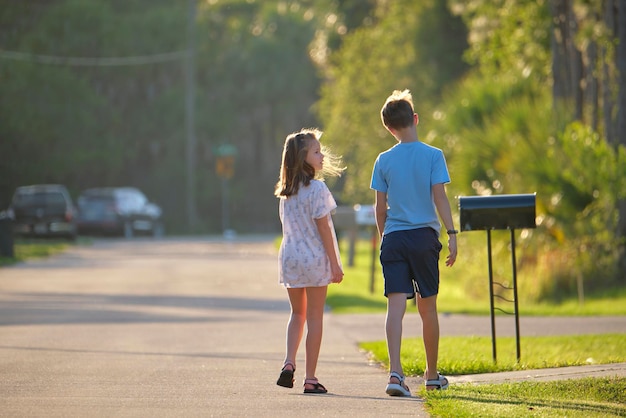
(344, 219)
(365, 216)
(499, 212)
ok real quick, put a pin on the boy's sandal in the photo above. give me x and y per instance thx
(317, 386)
(441, 382)
(286, 376)
(397, 389)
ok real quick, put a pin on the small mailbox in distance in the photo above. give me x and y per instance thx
(510, 211)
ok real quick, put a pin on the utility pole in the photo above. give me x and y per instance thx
(190, 113)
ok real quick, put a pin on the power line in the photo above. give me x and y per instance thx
(93, 61)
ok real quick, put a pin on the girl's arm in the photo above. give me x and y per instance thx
(323, 226)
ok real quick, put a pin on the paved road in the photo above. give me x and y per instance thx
(166, 328)
(185, 328)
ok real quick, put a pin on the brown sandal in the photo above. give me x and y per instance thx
(317, 386)
(286, 376)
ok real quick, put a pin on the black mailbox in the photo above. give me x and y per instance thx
(510, 211)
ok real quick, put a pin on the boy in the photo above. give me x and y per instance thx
(409, 181)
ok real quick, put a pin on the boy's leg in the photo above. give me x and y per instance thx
(430, 333)
(316, 297)
(396, 307)
(295, 326)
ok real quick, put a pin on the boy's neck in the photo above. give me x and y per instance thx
(407, 135)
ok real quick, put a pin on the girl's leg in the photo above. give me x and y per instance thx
(295, 326)
(316, 298)
(430, 333)
(396, 307)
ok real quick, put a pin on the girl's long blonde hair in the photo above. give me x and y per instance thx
(294, 170)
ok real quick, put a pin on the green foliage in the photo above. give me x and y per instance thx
(506, 138)
(75, 124)
(40, 131)
(507, 39)
(354, 294)
(473, 355)
(98, 124)
(580, 214)
(480, 73)
(25, 249)
(465, 286)
(399, 52)
(572, 398)
(259, 83)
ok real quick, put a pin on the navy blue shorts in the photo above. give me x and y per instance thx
(410, 261)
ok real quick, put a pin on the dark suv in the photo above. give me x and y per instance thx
(118, 210)
(43, 210)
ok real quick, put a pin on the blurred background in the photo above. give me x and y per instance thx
(190, 101)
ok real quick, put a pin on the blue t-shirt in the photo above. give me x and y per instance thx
(407, 172)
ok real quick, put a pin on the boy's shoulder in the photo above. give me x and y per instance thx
(403, 147)
(423, 145)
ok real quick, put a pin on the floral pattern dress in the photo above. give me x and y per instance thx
(302, 260)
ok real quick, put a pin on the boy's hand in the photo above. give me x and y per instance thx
(452, 251)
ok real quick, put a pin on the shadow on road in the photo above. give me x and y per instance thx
(80, 308)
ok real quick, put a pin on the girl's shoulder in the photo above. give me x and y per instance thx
(314, 190)
(317, 184)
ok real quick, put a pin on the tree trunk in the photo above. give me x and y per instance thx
(621, 122)
(560, 73)
(575, 63)
(608, 103)
(621, 68)
(590, 90)
(566, 58)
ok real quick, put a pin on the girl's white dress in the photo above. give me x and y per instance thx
(302, 260)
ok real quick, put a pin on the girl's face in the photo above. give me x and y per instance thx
(314, 156)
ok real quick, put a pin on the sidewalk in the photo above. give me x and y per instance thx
(545, 375)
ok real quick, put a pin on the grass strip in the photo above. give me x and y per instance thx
(597, 397)
(473, 355)
(464, 287)
(28, 249)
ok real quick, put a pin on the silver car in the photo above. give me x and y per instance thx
(122, 211)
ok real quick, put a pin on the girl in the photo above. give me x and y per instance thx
(308, 256)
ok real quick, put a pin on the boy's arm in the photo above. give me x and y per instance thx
(445, 213)
(380, 211)
(323, 226)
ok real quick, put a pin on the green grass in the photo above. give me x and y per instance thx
(24, 249)
(473, 355)
(589, 397)
(464, 287)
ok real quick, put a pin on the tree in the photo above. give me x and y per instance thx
(581, 27)
(415, 45)
(621, 120)
(582, 68)
(259, 85)
(93, 123)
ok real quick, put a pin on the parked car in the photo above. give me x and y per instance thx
(43, 210)
(122, 211)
